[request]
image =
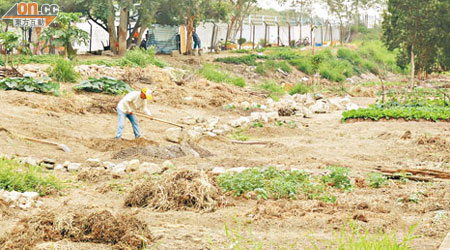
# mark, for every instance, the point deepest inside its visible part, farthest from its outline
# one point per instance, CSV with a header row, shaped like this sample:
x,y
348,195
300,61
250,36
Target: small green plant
x,y
257,124
28,84
239,134
338,178
14,176
105,85
352,236
376,180
141,58
260,69
275,90
300,88
63,71
9,41
249,60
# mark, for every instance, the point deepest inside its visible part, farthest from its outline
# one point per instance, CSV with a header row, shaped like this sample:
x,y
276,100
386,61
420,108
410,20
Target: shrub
x,y
275,65
303,64
376,180
14,176
141,58
28,84
300,88
104,85
63,71
338,177
212,73
275,90
260,69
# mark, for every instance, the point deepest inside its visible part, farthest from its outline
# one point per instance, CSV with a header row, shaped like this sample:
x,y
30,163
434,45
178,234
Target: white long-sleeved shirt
x,y
133,102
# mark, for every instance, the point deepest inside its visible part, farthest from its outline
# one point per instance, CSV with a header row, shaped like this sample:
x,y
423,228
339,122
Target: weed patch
x,y
275,90
300,88
63,71
212,73
14,176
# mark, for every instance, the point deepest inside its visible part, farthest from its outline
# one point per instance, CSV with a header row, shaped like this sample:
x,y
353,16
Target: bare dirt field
x,y
86,123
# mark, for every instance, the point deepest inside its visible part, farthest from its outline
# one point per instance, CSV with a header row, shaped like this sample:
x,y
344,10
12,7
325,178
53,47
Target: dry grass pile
x,y
122,232
180,190
435,142
93,175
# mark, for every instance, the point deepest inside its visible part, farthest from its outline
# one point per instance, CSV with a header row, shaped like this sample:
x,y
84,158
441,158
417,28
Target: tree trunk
x,y
123,23
137,25
190,27
112,28
413,65
230,28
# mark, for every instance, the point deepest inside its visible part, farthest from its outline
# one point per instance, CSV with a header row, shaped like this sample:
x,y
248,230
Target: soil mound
x,y
181,190
93,175
164,152
434,142
105,145
122,232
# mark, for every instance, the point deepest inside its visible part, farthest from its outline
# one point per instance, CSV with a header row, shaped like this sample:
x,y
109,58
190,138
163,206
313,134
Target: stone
x,y
168,164
188,120
174,135
245,105
335,103
93,163
212,122
31,195
299,98
59,167
73,167
318,96
188,98
218,131
149,168
211,134
48,166
351,106
320,107
307,113
108,165
218,170
310,100
344,101
272,116
119,168
133,165
47,161
193,135
29,160
237,170
66,164
226,128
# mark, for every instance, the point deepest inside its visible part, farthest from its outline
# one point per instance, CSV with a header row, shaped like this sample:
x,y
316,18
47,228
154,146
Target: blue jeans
x,y
134,122
197,45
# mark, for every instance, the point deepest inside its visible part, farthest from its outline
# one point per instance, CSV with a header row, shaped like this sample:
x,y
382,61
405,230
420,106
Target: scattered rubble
x,y
23,200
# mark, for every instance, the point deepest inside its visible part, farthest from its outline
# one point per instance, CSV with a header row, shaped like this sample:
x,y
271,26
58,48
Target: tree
x,y
238,10
9,41
417,31
63,32
343,10
190,12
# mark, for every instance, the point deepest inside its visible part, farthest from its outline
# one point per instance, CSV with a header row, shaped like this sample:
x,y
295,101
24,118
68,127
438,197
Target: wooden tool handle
x,y
159,120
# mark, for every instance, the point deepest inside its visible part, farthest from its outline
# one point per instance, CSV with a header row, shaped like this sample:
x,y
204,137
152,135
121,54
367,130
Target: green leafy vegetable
x,y
104,85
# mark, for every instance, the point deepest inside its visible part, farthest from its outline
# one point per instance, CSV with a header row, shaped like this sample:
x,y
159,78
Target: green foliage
x,y
407,113
268,183
275,65
260,69
29,84
300,88
239,134
212,73
338,177
303,64
275,90
257,124
355,238
241,51
249,60
14,176
419,97
64,32
105,85
63,71
241,41
9,41
141,58
376,180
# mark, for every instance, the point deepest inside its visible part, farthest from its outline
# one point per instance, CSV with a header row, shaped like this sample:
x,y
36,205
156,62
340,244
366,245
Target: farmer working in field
x,y
133,101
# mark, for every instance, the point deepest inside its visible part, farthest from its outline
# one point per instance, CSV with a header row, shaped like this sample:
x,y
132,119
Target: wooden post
x,y
289,34
278,34
300,28
240,35
212,38
226,38
254,36
321,34
183,39
265,34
